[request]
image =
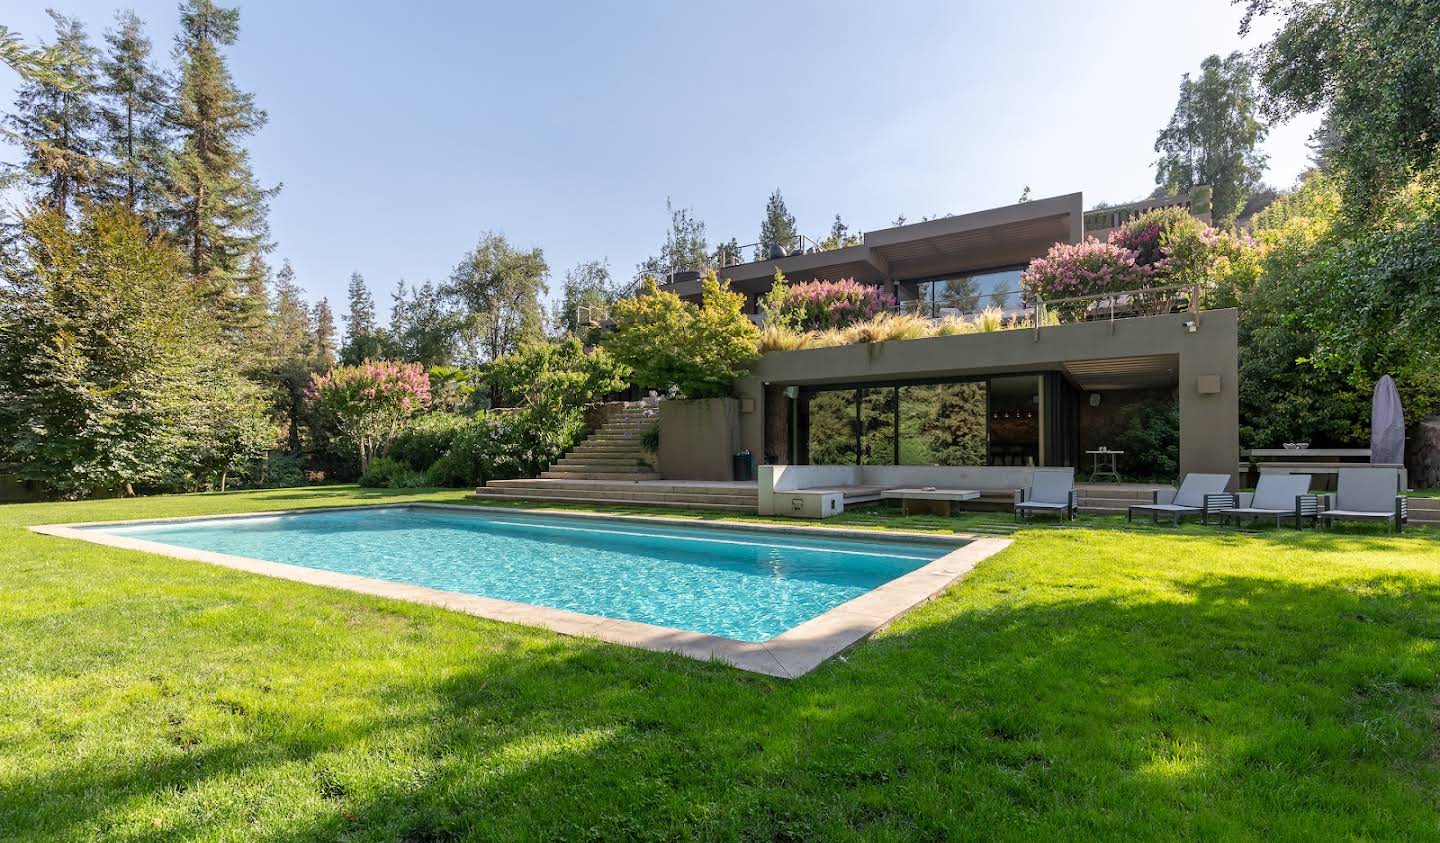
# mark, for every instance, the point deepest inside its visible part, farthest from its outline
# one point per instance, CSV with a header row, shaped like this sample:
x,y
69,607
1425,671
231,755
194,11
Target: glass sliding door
x,y
996,421
877,426
1015,413
832,432
943,424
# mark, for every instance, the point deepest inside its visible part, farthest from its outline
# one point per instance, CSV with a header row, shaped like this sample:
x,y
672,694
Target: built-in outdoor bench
x,y
819,491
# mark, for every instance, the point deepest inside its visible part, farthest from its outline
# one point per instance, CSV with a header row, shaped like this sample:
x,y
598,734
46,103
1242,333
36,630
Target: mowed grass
x,y
1091,682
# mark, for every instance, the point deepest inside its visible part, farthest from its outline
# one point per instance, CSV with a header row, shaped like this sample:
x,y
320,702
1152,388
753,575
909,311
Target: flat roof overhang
x,y
998,237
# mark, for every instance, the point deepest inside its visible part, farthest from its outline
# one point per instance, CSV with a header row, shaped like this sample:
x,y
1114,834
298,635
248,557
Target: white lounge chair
x,y
1199,494
1276,496
1050,490
1366,494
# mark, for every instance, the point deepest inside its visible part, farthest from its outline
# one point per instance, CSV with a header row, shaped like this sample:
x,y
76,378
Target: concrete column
x,y
1209,387
751,393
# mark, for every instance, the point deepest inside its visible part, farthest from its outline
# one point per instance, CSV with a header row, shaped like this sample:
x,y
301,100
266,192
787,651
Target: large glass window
x,y
988,422
960,295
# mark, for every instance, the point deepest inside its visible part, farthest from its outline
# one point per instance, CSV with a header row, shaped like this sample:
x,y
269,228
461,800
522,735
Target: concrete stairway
x,y
1425,512
611,453
1112,498
689,494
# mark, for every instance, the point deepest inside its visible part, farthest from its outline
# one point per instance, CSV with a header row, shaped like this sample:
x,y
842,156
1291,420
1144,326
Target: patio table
x,y
929,501
1103,465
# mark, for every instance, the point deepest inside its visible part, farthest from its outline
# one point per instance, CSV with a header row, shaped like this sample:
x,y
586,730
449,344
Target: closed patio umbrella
x,y
1387,424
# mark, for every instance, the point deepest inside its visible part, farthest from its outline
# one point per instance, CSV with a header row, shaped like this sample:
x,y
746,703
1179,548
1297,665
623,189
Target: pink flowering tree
x,y
371,401
818,305
1091,268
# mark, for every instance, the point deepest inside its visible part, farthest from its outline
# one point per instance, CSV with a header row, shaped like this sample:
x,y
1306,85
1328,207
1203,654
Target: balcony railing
x,y
1015,308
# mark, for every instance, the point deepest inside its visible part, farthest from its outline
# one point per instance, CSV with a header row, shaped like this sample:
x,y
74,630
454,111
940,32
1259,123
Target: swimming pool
x,y
746,585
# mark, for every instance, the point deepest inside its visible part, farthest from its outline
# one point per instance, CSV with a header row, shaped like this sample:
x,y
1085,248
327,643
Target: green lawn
x,y
1097,681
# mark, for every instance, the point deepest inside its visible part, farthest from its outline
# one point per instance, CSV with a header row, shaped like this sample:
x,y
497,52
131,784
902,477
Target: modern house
x,y
956,264
1011,399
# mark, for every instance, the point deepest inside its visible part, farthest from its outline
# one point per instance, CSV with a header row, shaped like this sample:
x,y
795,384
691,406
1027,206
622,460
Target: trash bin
x,y
743,466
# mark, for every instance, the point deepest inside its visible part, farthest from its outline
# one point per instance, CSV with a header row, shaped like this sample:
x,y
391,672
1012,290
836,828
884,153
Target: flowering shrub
x,y
1148,235
820,305
371,401
1083,269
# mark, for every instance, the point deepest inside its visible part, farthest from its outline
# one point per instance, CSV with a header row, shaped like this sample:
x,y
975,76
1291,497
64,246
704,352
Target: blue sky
x,y
402,131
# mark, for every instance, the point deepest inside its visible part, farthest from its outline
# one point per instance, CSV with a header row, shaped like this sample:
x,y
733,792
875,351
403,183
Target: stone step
x,y
622,467
676,486
624,495
573,458
597,475
713,506
608,453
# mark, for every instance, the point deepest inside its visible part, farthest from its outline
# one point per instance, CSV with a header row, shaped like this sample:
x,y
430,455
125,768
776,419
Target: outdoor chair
x,y
1366,494
1278,496
1050,490
1199,494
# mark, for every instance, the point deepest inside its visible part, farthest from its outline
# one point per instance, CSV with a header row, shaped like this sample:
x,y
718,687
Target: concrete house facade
x,y
1032,397
1002,401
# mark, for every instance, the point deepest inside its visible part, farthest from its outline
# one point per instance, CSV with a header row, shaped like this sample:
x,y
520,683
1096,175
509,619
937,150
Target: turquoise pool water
x,y
747,585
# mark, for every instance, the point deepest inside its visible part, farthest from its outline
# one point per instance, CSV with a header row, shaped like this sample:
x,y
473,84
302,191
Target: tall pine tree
x,y
217,206
55,120
134,99
778,230
322,332
291,352
362,335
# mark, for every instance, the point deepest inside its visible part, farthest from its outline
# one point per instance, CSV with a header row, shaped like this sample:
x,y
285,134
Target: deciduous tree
x,y
499,288
1373,66
698,349
108,361
1213,136
685,248
586,285
371,402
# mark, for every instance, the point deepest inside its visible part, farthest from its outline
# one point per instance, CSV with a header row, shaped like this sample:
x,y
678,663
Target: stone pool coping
x,y
791,654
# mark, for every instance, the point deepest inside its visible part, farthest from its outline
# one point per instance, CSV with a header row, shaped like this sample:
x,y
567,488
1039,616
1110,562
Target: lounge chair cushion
x,y
1362,490
1051,485
1277,492
1165,507
1043,505
1195,487
1358,513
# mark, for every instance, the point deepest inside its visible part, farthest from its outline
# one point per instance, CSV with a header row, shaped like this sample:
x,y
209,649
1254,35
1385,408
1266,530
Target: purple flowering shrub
x,y
1149,234
1083,269
822,305
1160,248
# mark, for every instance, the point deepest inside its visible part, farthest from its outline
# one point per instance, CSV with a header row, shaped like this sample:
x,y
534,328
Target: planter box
x,y
698,438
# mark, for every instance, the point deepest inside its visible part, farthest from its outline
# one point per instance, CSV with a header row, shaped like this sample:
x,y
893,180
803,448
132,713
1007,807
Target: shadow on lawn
x,y
1247,707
